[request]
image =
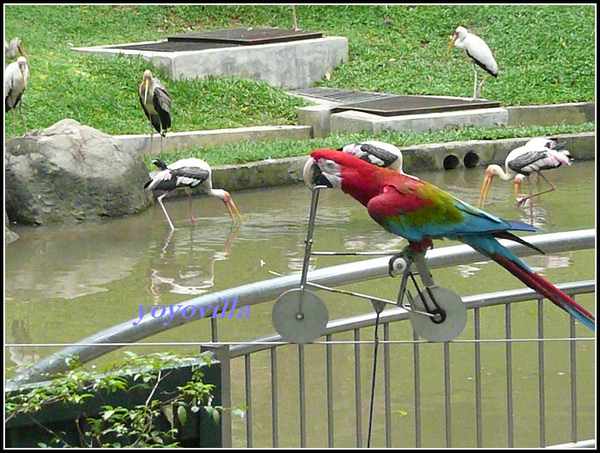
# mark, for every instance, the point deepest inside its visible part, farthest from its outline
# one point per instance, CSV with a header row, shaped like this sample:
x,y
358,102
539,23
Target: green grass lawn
x,y
546,55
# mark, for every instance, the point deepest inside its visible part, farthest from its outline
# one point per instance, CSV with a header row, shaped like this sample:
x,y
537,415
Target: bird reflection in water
x,y
194,277
21,356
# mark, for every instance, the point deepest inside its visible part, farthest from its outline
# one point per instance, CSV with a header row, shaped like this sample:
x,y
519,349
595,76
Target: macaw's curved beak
x,y
487,182
313,176
451,44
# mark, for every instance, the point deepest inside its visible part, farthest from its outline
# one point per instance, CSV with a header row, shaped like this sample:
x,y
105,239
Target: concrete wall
x,y
353,121
324,123
480,153
290,65
547,115
438,156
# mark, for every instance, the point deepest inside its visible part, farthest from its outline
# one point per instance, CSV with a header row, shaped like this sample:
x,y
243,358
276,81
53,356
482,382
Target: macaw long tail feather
x,y
538,283
514,237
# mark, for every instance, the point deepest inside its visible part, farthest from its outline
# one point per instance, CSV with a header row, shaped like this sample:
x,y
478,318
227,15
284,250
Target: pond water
x,y
65,283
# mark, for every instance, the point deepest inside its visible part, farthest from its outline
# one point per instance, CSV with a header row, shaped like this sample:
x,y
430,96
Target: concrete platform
x,y
289,65
324,122
176,141
316,122
353,121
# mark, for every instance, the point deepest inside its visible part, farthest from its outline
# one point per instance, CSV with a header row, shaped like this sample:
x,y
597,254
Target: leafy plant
x,y
117,426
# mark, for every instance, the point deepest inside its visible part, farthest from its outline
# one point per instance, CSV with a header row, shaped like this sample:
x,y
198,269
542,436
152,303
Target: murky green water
x,y
63,284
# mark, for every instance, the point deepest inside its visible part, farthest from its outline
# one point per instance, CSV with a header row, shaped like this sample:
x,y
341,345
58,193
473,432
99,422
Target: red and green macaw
x,y
420,212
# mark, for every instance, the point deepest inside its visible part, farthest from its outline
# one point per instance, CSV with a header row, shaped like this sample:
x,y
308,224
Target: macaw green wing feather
x,y
426,211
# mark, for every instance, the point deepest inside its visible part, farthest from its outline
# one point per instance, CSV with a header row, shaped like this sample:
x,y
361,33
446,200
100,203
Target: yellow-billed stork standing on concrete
x,y
156,102
479,52
188,173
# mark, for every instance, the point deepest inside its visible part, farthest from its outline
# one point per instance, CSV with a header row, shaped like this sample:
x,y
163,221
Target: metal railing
x,y
267,378
356,325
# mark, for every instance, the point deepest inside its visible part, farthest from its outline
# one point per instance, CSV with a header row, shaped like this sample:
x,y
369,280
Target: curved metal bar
x,y
268,290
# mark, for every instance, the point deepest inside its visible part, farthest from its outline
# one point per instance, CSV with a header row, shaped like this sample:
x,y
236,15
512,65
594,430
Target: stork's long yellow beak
x,y
20,47
147,88
518,195
23,77
451,44
231,207
487,182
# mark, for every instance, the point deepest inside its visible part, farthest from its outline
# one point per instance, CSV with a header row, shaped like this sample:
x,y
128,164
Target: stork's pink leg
x,y
192,219
159,199
531,195
151,139
530,198
22,117
551,189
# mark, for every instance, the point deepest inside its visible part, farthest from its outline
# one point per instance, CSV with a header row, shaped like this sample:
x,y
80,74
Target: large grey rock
x,y
9,235
70,172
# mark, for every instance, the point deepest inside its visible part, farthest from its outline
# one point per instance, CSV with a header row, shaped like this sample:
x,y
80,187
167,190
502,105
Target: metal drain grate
x,y
339,95
384,104
248,36
222,38
176,46
411,105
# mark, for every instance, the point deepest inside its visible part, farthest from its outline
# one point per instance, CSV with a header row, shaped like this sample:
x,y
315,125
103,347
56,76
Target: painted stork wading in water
x,y
478,51
420,212
156,102
533,157
13,49
16,77
188,173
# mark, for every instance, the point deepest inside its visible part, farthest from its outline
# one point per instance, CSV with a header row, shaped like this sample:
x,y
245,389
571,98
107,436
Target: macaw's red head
x,y
338,170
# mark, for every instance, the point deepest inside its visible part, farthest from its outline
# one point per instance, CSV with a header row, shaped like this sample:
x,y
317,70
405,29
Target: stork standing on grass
x,y
16,77
188,173
479,52
13,49
156,102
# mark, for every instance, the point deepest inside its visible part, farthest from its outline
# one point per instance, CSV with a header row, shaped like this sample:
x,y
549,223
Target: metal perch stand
x,y
436,313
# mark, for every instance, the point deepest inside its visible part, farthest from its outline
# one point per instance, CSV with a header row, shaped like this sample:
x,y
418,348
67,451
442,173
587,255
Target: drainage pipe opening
x,y
471,160
451,162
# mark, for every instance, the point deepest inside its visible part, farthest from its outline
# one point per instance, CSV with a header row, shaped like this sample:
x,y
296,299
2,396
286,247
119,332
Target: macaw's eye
x,y
330,165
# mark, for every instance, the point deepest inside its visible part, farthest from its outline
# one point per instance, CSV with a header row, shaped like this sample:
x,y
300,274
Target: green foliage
x,y
122,426
546,55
